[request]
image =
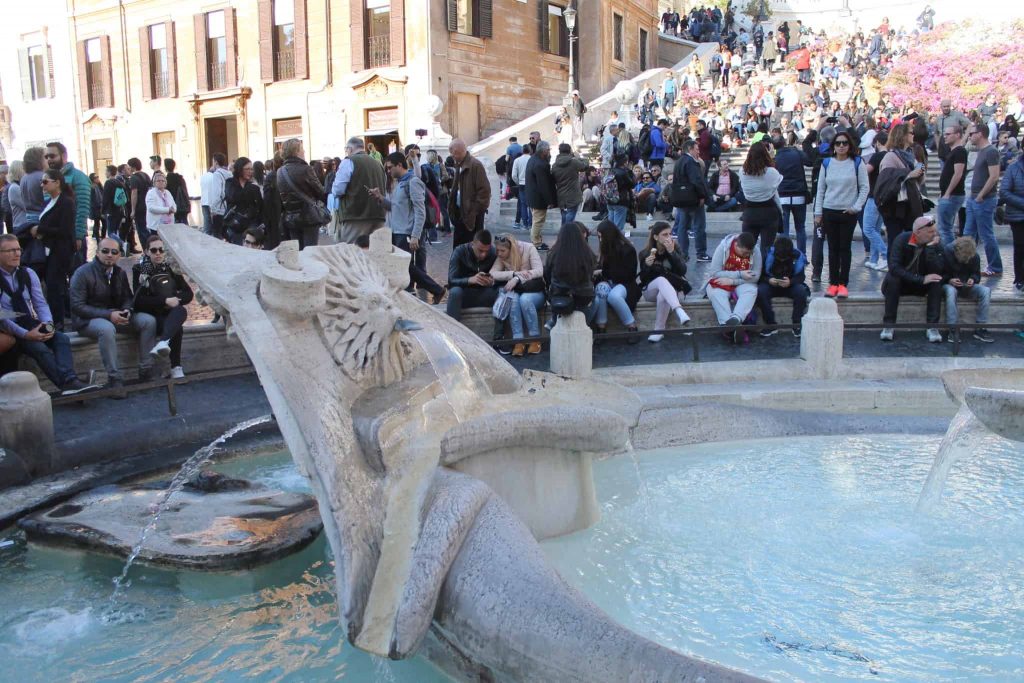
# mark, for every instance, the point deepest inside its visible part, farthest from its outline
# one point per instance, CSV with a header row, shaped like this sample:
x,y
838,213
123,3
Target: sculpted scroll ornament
x,y
360,319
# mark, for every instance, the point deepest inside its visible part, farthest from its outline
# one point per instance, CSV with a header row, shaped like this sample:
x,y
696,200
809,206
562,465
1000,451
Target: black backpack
x,y
501,165
646,148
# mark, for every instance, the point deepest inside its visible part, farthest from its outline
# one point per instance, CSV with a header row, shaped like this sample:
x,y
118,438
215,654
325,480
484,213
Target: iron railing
x,y
161,84
378,51
97,98
284,65
218,76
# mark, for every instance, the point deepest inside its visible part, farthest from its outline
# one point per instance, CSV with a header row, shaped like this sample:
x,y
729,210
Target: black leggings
x,y
763,220
170,326
838,227
1017,229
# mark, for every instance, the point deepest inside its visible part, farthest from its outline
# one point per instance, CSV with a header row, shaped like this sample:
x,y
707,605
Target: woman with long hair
x,y
520,271
760,182
244,201
842,192
569,270
616,279
56,230
163,293
662,277
259,173
900,163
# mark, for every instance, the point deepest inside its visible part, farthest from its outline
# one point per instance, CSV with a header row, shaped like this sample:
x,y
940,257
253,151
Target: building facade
x,y
120,78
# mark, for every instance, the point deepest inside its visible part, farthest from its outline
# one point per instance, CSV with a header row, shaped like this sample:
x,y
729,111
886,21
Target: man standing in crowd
x,y
155,162
540,191
101,306
659,148
688,194
566,172
523,216
951,181
211,196
512,152
358,174
916,265
470,194
115,199
469,275
139,185
981,205
948,117
56,156
576,111
33,328
406,214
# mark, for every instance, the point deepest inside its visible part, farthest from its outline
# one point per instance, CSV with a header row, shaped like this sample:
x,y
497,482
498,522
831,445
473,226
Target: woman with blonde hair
x,y
897,169
518,267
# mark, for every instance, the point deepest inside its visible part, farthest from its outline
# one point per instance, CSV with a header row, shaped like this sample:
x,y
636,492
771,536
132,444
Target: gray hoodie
x,y
717,265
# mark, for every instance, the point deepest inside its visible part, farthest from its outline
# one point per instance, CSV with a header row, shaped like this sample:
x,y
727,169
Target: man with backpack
x,y
115,198
658,148
688,193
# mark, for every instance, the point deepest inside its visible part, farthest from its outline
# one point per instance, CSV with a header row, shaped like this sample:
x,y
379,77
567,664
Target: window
x,y
159,63
558,34
284,130
216,50
378,33
163,144
466,17
35,73
94,72
617,37
284,39
643,50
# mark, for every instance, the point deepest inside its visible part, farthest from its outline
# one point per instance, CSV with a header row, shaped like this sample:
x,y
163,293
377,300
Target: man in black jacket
x,y
470,284
963,281
540,191
101,306
112,213
689,193
916,267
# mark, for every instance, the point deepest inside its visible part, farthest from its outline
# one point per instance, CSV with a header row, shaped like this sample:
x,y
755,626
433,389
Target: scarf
x,y
148,269
733,262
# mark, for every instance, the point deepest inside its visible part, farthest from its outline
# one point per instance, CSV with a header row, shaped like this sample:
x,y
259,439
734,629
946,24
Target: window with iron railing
x,y
218,76
96,95
161,84
378,51
284,65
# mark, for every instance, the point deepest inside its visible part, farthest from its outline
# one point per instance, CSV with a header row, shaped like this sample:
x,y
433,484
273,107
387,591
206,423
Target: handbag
x,y
502,306
308,211
530,286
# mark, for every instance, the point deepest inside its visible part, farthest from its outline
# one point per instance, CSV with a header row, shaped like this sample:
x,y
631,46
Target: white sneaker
x,y
627,233
683,318
871,264
177,372
161,349
887,334
882,267
934,336
655,338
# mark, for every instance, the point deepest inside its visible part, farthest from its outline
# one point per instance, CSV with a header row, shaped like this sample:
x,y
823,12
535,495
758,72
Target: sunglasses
x,y
841,143
115,252
156,250
928,224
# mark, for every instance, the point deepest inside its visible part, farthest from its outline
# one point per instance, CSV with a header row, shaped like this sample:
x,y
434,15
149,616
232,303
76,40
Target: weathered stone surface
x,y
26,421
1000,410
821,343
232,527
572,347
13,470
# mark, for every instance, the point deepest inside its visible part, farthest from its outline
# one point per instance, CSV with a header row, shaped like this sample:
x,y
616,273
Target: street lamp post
x,y
569,14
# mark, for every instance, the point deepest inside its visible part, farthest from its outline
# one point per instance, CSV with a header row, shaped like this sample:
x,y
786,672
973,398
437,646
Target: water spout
x,y
188,470
961,437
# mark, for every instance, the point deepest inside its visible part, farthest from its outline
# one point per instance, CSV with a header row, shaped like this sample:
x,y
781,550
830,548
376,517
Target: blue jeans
x,y
871,224
980,226
799,214
569,215
207,220
946,211
687,217
525,308
979,293
53,357
606,295
523,215
617,215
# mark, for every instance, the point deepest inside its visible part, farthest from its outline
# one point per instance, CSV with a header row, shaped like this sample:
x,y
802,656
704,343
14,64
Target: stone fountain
x,y
988,401
436,466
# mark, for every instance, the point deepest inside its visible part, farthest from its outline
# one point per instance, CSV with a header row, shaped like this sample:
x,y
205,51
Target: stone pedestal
x,y
572,347
394,263
26,422
821,342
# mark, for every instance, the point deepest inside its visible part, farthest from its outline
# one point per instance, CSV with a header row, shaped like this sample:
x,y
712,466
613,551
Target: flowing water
x,y
961,440
461,384
801,559
189,469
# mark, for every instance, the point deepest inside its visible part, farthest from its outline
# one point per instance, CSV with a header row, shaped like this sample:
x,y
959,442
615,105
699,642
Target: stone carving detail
x,y
360,319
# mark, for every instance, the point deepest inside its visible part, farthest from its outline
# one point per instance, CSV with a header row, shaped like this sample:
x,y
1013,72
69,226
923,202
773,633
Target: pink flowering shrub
x,y
694,99
961,61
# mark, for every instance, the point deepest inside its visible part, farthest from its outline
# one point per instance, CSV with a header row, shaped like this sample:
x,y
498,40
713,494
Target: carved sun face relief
x,y
359,323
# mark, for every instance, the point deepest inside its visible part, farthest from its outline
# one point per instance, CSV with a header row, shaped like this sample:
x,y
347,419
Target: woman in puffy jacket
x,y
1011,191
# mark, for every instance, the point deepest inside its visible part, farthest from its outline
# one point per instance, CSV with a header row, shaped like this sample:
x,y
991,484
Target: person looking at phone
x,y
736,269
33,329
101,307
470,284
